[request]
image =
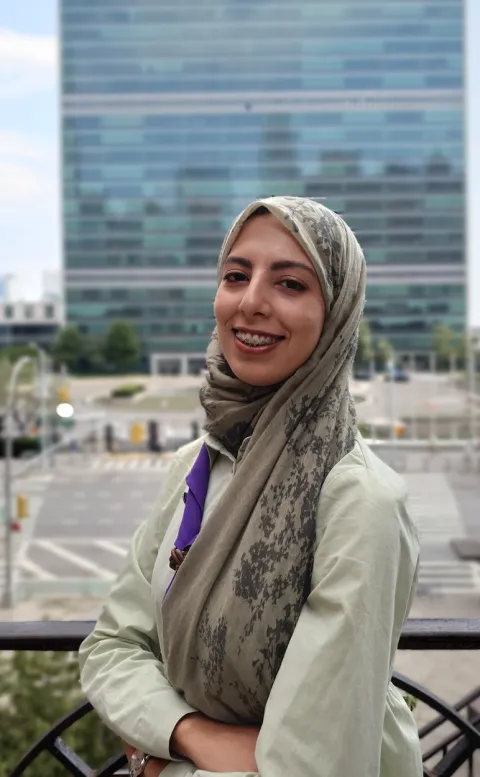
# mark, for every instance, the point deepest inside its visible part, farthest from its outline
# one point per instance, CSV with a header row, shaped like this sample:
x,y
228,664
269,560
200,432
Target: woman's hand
x,y
154,767
215,747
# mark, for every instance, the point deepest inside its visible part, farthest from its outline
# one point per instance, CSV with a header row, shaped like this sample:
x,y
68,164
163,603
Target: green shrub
x,y
37,689
21,445
127,391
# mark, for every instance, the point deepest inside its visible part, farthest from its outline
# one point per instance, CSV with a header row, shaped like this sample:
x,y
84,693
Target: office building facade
x,y
176,115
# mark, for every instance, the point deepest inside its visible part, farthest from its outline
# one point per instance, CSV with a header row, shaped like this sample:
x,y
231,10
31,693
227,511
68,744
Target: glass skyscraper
x,y
176,115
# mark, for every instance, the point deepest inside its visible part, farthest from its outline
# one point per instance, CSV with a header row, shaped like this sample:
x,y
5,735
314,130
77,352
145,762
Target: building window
x,y
49,311
8,311
28,310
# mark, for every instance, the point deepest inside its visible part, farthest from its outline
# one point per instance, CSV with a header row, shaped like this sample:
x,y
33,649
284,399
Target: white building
x,y
26,322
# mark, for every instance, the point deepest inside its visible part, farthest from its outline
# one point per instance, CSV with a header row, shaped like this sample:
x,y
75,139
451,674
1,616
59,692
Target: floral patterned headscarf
x,y
236,598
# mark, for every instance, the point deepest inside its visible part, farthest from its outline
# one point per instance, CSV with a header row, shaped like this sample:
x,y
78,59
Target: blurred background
x,y
132,132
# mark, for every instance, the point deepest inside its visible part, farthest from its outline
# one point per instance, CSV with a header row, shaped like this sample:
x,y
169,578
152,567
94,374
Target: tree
x,y
364,353
36,689
79,352
461,349
122,348
67,347
443,345
384,353
91,357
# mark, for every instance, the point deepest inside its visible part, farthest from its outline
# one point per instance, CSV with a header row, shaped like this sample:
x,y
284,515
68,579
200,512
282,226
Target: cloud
x,y
18,144
28,63
27,175
19,184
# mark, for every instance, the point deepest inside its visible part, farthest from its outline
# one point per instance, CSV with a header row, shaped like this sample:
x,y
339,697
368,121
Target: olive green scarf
x,y
232,609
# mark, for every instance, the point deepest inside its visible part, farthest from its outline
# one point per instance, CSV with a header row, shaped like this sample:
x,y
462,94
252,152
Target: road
x,y
87,518
90,509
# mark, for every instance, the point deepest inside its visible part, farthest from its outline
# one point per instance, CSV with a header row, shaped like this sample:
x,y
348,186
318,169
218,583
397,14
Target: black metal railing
x,y
449,754
417,634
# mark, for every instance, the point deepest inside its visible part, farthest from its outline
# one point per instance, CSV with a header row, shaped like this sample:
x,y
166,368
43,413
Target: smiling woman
x,y
269,306
254,628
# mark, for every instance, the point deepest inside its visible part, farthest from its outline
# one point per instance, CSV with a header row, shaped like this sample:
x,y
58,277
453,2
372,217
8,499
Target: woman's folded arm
x,y
121,667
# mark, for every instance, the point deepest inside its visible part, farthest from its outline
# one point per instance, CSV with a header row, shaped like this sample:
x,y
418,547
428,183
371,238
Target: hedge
x,y
21,445
127,391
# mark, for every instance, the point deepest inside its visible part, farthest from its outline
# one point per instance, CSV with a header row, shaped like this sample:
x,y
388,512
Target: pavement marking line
x,y
447,563
73,558
41,574
84,541
111,547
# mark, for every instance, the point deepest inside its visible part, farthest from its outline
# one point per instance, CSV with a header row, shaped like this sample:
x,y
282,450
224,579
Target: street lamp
x,y
43,365
8,437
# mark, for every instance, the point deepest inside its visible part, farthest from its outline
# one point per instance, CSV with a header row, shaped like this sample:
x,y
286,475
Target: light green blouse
x,y
333,711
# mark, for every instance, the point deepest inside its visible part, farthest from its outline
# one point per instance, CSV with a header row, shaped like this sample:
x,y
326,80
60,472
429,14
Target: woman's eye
x,y
234,277
292,285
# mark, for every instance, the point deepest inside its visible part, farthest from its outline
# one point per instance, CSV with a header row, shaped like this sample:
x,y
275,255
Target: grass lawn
x,y
184,402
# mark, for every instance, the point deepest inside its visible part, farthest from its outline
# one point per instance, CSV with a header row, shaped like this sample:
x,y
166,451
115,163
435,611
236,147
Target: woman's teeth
x,y
255,340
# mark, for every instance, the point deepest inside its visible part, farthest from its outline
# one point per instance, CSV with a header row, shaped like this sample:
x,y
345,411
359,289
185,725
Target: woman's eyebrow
x,y
281,264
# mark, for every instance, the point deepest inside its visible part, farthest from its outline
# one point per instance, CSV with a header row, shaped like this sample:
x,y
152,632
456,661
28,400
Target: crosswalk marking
x,y
36,570
74,558
435,577
104,464
434,508
111,547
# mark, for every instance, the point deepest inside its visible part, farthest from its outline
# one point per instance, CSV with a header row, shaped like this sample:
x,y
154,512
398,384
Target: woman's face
x,y
269,307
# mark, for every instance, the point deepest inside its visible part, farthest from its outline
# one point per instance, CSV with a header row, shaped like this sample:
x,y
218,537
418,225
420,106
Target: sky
x,y
29,145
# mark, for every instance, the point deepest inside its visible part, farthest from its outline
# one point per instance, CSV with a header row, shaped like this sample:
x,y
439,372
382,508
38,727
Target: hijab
x,y
231,611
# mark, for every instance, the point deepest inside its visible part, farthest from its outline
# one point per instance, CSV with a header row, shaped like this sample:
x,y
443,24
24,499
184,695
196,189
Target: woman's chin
x,y
258,375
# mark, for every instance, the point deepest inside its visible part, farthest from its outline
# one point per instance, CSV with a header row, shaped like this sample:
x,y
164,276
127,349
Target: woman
x,y
263,643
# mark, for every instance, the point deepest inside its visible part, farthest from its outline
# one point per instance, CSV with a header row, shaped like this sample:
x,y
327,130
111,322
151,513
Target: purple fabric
x,y
197,482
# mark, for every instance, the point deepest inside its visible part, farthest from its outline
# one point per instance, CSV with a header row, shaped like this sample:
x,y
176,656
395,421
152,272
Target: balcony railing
x,y
448,755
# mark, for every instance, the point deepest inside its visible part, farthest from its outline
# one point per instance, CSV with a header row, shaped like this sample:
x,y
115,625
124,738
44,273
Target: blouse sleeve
x,y
121,667
325,713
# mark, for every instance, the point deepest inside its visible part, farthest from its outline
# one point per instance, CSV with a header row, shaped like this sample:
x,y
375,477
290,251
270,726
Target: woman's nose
x,y
255,300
